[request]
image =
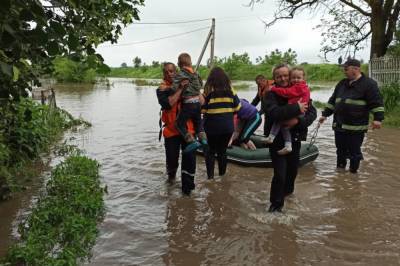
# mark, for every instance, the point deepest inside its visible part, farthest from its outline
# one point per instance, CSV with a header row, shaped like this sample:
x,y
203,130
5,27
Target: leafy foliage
x,y
346,25
391,96
67,70
277,57
27,129
33,33
394,49
62,227
136,62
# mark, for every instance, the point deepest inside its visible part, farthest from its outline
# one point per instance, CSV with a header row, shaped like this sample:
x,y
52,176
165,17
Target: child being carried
x,y
190,105
297,91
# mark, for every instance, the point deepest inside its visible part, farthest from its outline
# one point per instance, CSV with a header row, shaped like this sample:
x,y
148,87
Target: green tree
x,y
347,24
394,49
137,62
155,64
277,57
33,33
124,65
233,63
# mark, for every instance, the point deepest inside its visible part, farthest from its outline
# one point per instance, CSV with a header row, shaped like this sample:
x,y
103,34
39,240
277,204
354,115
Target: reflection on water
x,y
334,218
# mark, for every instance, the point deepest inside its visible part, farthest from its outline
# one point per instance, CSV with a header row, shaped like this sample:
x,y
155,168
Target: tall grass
x,y
391,96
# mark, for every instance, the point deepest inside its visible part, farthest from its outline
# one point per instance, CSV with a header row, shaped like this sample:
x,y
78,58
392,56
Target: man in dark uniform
x,y
351,102
277,110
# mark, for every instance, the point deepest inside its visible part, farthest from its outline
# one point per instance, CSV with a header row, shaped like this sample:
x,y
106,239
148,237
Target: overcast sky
x,y
239,29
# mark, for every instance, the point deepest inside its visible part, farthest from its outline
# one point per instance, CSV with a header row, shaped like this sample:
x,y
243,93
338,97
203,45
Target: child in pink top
x,y
297,91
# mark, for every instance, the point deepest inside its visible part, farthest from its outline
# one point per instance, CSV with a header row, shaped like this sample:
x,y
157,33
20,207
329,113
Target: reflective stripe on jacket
x,y
351,104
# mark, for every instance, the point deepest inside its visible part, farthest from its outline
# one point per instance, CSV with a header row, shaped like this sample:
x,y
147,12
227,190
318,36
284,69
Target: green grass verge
x,y
62,227
314,72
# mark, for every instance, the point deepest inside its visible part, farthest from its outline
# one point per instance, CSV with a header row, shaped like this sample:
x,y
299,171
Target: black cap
x,y
352,62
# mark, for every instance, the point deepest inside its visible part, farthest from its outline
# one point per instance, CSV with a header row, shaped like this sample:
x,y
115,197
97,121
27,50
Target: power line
x,y
157,39
175,22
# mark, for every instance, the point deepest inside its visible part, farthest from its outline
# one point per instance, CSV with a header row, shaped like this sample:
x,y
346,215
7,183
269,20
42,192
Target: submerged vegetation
x,y
62,227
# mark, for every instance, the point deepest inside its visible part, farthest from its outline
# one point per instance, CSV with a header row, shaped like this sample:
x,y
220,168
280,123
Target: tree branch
x,y
359,9
392,23
289,11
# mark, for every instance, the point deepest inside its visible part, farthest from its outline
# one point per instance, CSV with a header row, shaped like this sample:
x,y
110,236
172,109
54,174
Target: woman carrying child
x,y
220,105
297,91
297,117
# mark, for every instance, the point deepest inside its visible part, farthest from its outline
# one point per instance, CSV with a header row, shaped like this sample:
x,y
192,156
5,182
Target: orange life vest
x,y
168,117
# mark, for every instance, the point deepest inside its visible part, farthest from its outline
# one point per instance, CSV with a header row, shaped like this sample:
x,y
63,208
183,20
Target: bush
x,y
27,128
62,227
391,96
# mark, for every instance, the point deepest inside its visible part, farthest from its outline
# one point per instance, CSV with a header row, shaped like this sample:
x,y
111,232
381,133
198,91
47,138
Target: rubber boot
x,y
222,163
341,163
210,163
354,165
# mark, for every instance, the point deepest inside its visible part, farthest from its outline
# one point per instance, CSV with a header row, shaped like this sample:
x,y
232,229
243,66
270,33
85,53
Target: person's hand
x,y
184,83
290,123
376,124
322,119
202,99
302,106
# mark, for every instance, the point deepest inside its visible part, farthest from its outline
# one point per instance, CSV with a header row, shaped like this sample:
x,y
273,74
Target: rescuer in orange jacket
x,y
173,141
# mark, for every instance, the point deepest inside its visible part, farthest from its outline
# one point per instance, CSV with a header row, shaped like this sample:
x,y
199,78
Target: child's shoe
x,y
268,140
192,147
203,141
286,150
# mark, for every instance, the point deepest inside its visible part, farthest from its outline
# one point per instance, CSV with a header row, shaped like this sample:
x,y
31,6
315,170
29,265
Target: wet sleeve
x,y
330,106
278,113
162,96
308,118
256,100
375,102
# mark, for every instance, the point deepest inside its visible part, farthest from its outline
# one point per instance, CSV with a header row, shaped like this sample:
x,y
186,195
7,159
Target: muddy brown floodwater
x,y
334,217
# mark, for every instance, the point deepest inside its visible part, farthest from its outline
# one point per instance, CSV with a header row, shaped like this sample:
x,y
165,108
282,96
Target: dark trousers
x,y
217,145
189,111
348,146
285,172
188,169
249,128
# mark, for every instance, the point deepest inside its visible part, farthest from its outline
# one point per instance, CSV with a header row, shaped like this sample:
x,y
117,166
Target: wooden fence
x,y
385,69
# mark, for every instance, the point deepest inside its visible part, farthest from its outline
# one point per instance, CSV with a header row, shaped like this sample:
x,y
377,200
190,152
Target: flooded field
x,y
334,217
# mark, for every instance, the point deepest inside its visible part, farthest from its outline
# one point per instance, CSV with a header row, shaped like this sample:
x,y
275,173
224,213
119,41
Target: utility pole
x,y
210,36
212,44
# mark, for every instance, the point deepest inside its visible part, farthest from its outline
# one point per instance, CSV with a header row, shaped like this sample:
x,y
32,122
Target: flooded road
x,y
334,217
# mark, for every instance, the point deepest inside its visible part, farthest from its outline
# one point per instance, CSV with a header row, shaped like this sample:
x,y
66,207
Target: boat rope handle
x,y
314,135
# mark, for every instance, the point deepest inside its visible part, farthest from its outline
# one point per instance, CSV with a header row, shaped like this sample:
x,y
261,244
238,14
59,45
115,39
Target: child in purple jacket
x,y
248,121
